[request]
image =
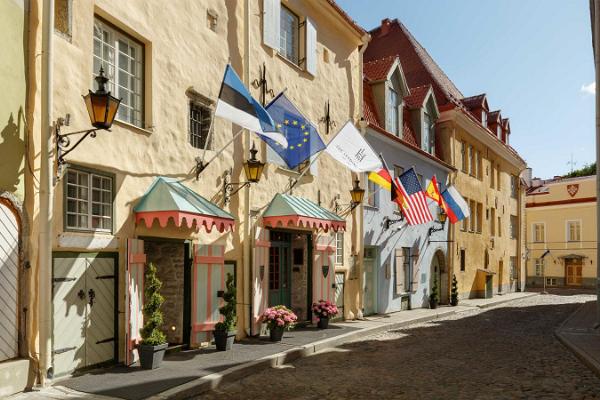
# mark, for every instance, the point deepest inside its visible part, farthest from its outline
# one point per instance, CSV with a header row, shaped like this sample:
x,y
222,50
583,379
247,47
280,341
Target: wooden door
x,y
9,283
500,275
100,290
208,279
340,279
134,317
574,272
280,270
69,302
369,292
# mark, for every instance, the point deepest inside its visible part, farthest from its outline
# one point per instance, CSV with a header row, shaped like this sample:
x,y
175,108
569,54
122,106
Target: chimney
x,y
385,27
526,175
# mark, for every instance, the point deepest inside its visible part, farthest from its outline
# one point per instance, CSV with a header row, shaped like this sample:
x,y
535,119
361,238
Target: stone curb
x,y
212,381
495,303
580,353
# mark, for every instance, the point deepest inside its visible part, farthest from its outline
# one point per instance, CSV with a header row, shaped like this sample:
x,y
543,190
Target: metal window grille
x,y
200,117
89,198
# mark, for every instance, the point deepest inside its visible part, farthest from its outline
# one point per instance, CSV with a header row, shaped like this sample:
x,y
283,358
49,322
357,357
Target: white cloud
x,y
590,88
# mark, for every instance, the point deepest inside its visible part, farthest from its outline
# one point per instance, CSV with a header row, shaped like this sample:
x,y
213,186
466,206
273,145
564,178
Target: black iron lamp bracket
x,y
344,208
387,222
262,84
64,145
436,229
200,166
231,188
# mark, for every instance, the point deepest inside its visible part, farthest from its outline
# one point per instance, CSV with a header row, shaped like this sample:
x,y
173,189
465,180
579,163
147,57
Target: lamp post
x,y
253,169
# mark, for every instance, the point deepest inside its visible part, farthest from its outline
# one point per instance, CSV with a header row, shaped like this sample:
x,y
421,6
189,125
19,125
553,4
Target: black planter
x,y
433,304
323,322
276,333
151,356
224,340
454,302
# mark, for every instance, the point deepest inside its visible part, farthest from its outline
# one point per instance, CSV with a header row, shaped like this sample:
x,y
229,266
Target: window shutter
x,y
271,23
399,265
311,47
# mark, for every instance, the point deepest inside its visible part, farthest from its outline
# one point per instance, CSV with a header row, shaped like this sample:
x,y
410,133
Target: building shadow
x,y
12,155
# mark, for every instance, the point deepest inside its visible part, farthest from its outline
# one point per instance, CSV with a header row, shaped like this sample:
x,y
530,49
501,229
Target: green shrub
x,y
434,296
454,291
152,334
228,309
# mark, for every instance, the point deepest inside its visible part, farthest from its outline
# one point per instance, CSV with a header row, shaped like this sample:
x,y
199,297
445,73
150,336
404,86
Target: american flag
x,y
415,206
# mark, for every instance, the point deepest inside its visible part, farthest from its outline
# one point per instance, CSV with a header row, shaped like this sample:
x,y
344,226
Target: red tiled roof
x,y
408,133
393,39
378,70
475,102
494,116
369,109
416,98
348,19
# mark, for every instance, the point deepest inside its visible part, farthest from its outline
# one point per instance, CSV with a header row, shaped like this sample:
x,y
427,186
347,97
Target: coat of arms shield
x,y
573,189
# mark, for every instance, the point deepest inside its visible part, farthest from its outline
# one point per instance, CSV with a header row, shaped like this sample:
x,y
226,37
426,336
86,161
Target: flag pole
x,y
296,180
201,166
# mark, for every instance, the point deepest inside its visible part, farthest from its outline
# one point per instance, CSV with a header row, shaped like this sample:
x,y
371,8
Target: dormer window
x,y
484,118
499,131
392,115
428,133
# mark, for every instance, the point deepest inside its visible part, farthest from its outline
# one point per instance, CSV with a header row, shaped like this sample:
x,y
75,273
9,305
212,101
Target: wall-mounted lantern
x,y
253,169
357,195
442,217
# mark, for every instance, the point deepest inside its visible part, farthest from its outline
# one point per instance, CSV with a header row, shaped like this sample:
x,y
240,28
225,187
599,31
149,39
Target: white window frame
x,y
568,223
293,54
89,201
484,118
372,194
533,232
551,282
427,133
392,102
339,248
108,42
538,265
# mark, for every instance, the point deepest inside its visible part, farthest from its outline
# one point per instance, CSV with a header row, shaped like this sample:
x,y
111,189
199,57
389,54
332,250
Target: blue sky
x,y
532,58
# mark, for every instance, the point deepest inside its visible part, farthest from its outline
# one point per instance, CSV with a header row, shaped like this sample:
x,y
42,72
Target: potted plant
x,y
224,332
154,342
433,296
454,291
324,310
278,319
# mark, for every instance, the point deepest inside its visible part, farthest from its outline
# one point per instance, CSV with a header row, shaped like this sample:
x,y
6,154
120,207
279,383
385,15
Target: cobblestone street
x,y
505,352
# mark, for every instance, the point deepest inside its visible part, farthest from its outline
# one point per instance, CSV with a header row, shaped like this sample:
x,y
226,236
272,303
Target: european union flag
x,y
302,136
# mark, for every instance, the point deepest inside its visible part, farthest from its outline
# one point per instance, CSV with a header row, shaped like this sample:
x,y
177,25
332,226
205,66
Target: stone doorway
x,y
439,272
172,259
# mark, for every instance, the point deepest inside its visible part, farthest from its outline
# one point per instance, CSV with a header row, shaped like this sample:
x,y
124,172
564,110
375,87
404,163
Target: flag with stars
x,y
302,136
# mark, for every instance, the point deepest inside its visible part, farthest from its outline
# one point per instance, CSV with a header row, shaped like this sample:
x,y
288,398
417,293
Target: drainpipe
x,y
596,43
46,196
248,286
360,218
452,227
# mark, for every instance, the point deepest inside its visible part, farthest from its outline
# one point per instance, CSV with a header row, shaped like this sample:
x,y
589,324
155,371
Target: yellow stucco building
x,y
166,63
561,232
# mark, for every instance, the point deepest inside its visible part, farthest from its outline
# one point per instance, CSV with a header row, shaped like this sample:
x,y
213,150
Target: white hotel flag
x,y
350,148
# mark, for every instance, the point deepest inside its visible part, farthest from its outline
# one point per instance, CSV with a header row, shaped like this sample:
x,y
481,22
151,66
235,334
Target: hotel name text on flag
x,y
235,104
455,206
416,211
302,136
350,148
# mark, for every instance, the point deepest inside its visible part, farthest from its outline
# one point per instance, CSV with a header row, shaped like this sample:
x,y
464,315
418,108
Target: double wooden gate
x,y
84,287
9,283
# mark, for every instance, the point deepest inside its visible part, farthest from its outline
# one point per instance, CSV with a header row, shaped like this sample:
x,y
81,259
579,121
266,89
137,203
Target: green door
x,y
280,270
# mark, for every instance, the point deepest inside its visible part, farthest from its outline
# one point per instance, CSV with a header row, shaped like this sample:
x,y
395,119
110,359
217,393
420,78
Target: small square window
x,y
89,201
339,248
200,125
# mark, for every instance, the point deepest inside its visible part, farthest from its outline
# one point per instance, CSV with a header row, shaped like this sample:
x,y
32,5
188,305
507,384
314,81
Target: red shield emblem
x,y
573,189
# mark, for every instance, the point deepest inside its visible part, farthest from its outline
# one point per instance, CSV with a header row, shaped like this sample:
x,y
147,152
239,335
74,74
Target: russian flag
x,y
235,104
455,206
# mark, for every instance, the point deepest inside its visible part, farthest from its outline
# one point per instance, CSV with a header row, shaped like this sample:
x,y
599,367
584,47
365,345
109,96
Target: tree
x,y
228,309
586,170
152,334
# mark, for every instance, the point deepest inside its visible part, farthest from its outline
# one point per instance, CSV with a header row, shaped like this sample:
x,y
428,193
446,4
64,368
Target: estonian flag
x,y
235,104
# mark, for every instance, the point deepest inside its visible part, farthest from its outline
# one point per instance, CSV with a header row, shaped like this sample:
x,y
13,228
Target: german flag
x,y
382,178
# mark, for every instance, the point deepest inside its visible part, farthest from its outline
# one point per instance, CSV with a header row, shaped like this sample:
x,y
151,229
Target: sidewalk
x,y
190,373
577,333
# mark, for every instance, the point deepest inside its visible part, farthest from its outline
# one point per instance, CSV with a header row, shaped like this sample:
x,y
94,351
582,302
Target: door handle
x,y
81,294
92,296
